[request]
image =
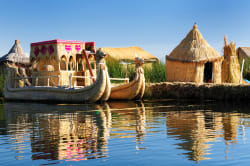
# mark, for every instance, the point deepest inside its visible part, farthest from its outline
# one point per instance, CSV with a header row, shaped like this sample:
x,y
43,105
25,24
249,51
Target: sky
x,y
157,26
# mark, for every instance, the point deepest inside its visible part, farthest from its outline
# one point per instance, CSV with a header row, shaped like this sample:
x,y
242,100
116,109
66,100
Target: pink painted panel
x,y
78,48
68,48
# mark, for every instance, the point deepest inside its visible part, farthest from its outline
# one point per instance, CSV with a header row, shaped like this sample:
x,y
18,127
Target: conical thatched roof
x,y
15,55
193,48
128,53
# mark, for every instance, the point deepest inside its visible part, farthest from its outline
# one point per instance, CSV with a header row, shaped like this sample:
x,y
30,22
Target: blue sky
x,y
157,26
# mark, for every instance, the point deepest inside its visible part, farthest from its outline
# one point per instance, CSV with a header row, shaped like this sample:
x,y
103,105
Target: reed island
x,y
75,71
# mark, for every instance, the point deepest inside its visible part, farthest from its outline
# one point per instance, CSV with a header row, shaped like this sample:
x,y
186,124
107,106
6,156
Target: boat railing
x,y
36,79
81,77
49,79
126,80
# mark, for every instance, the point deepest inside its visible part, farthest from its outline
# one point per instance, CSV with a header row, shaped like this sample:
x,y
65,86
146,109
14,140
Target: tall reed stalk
x,y
156,73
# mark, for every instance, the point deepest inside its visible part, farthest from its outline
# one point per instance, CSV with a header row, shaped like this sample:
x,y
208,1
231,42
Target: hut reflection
x,y
199,129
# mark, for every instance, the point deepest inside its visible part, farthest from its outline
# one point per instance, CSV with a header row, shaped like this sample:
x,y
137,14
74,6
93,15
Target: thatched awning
x,y
15,55
128,53
194,48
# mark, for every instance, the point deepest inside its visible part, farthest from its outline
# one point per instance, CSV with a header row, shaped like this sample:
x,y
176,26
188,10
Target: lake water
x,y
125,133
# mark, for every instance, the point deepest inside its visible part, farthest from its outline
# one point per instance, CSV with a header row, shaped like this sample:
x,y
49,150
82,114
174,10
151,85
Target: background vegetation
x,y
246,70
2,79
154,73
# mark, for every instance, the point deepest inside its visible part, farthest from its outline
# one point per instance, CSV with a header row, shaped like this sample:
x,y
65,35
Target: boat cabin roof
x,y
57,41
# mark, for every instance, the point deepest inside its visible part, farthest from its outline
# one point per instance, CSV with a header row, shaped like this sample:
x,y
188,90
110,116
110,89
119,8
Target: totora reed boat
x,y
99,90
134,89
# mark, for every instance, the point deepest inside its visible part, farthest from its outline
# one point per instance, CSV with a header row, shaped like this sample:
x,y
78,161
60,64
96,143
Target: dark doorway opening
x,y
208,72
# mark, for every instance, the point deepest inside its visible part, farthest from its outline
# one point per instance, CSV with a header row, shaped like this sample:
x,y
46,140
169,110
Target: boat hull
x,y
92,93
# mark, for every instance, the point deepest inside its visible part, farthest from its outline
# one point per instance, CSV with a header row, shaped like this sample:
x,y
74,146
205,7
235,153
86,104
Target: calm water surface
x,y
125,133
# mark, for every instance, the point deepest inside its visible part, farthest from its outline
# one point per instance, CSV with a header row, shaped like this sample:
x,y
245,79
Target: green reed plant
x,y
115,69
246,69
154,73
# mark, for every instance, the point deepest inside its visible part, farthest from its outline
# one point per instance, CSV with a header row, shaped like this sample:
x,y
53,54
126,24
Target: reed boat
x,y
134,89
99,90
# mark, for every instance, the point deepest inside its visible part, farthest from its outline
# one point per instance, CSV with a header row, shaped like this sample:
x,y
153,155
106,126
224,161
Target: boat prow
x,y
133,90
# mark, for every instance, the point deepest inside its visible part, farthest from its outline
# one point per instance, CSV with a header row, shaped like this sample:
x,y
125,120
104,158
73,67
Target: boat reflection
x,y
59,132
129,121
82,132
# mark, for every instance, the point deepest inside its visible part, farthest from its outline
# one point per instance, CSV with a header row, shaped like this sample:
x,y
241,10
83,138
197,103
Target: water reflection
x,y
82,132
129,120
198,129
56,133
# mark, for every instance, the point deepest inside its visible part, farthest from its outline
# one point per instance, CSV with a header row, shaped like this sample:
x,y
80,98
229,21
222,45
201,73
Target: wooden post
x,y
241,72
36,81
87,61
48,81
70,80
58,81
15,81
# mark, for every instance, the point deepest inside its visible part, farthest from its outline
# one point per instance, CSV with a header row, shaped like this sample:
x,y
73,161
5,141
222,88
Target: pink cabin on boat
x,y
67,62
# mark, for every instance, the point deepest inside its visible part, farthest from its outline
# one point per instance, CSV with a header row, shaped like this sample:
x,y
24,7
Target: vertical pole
x,y
241,72
15,81
70,80
48,81
58,81
88,64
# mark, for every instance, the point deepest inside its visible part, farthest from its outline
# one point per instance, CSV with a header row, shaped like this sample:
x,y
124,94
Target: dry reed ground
x,y
188,90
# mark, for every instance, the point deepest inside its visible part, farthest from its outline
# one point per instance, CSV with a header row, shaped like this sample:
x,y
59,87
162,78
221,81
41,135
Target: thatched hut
x,y
230,66
194,60
14,56
127,54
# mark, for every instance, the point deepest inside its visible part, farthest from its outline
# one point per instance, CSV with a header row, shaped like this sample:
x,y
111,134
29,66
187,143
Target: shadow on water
x,y
81,132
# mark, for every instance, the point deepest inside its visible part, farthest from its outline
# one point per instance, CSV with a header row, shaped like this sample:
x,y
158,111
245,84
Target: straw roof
x,y
128,53
243,52
193,48
15,55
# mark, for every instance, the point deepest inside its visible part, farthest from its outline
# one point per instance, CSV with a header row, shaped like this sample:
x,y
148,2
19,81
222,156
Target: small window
x,y
63,63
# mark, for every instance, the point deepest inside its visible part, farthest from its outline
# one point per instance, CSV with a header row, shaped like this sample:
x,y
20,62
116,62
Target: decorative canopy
x,y
55,48
193,48
15,55
128,53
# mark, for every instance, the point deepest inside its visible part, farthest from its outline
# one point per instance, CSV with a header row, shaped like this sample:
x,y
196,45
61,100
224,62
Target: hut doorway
x,y
208,72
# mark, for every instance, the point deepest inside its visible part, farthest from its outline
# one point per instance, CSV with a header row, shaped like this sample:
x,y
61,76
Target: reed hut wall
x,y
217,71
199,75
180,71
177,71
